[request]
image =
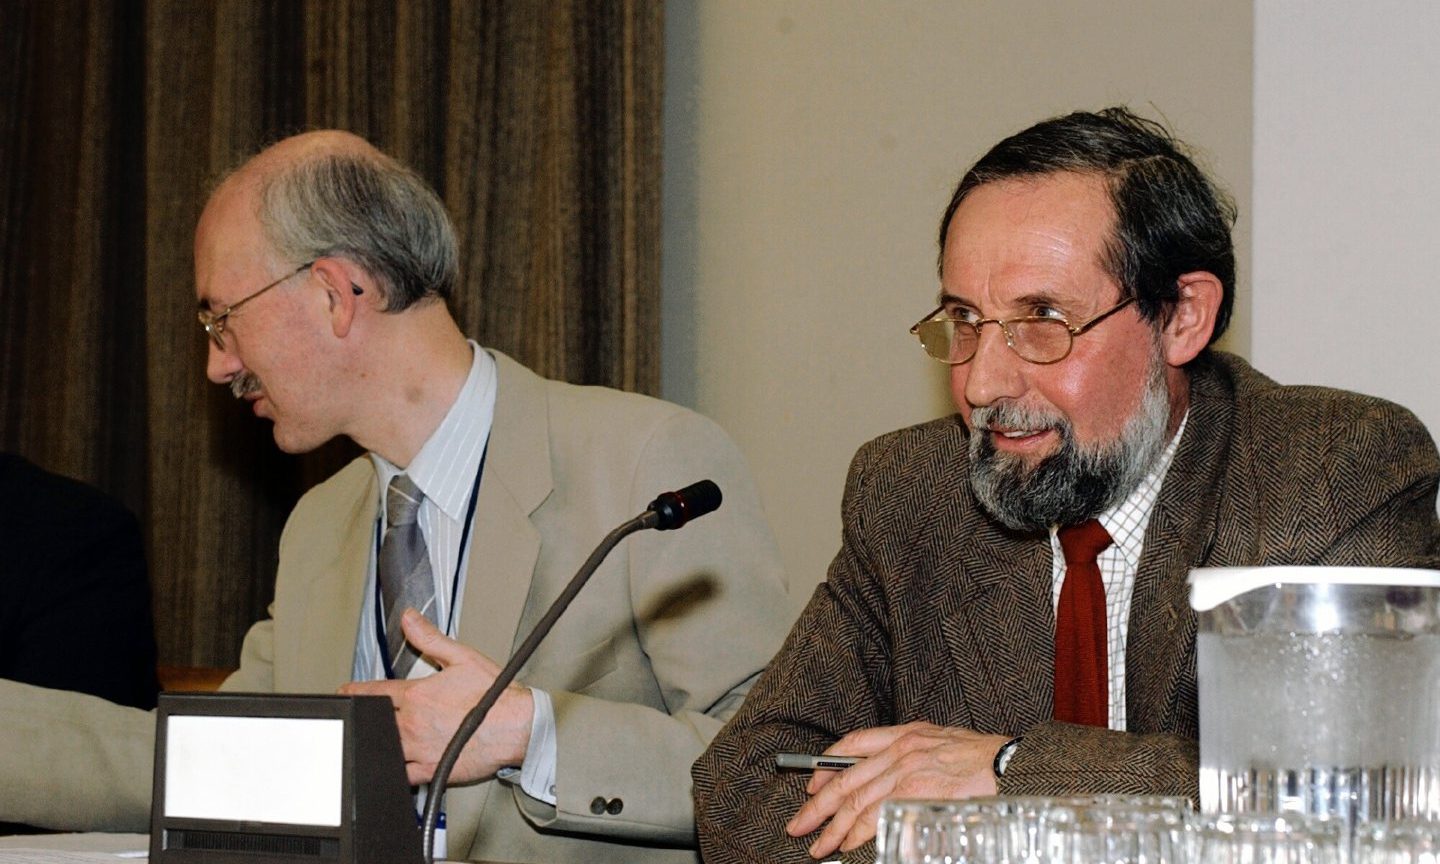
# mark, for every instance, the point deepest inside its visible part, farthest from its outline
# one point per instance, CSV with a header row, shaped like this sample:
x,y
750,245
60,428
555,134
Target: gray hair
x,y
370,209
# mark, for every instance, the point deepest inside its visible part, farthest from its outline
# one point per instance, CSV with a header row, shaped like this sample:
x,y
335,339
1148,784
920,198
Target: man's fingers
x,y
863,743
831,792
849,820
922,759
812,813
818,779
863,828
845,795
428,640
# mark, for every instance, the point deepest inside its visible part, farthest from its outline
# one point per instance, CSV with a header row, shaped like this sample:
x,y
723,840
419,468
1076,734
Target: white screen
x,y
264,769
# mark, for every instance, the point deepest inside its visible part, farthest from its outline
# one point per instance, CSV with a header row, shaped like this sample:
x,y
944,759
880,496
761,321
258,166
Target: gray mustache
x,y
1009,415
244,384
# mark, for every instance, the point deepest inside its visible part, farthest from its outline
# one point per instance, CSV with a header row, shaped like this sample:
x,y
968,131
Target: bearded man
x,y
1008,611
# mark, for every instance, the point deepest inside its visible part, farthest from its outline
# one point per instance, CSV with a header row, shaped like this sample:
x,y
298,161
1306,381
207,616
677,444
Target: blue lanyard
x,y
454,582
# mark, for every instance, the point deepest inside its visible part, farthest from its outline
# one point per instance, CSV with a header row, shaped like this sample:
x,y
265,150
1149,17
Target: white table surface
x,y
77,842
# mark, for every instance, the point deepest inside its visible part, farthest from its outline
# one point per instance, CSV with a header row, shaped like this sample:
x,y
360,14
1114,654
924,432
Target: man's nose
x,y
995,372
221,365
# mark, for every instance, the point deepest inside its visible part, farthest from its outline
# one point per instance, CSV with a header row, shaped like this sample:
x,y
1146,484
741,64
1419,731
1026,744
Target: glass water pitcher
x,y
1319,691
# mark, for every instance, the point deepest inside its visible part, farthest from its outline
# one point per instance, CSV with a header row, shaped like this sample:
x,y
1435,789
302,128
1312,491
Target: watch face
x,y
1002,756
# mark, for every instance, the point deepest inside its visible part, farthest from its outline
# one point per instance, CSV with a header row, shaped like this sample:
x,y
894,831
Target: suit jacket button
x,y
615,806
597,806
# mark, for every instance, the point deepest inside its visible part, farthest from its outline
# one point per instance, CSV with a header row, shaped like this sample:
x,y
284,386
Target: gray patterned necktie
x,y
406,580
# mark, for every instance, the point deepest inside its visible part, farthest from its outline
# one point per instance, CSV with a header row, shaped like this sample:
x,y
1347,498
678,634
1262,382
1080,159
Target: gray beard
x,y
1076,482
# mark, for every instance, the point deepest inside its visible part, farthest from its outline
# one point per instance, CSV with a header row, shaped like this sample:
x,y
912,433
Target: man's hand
x,y
917,760
429,710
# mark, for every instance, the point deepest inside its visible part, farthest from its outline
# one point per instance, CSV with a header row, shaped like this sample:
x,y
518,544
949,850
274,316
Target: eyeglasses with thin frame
x,y
1036,338
214,324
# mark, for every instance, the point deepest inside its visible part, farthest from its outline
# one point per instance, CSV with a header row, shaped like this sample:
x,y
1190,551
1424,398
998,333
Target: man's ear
x,y
339,278
1191,320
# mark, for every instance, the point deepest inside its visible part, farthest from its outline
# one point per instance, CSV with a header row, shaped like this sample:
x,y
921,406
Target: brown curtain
x,y
538,122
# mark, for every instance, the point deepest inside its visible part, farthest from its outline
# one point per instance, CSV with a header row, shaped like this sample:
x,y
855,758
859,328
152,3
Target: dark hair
x,y
1170,219
371,209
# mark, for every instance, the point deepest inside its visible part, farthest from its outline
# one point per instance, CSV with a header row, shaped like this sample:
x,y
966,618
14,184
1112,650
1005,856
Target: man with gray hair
x,y
323,268
1008,610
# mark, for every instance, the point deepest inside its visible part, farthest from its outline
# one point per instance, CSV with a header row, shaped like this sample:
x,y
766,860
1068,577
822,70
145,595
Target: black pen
x,y
806,762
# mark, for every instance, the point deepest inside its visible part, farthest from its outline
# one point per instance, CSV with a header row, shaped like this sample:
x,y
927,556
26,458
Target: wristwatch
x,y
1002,756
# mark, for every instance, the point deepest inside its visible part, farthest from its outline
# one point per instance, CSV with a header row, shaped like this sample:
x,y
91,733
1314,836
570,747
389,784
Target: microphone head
x,y
674,509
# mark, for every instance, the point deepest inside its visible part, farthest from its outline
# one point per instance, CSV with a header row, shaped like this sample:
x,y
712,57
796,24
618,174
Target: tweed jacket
x,y
643,669
932,611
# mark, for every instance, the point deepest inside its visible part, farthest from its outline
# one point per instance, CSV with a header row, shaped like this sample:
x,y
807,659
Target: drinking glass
x,y
1117,831
1400,842
919,832
1268,839
1100,829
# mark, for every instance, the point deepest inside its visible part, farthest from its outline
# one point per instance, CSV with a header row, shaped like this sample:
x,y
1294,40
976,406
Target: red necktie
x,y
1082,675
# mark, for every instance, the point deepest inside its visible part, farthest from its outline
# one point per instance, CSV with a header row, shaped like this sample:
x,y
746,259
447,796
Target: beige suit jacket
x,y
652,658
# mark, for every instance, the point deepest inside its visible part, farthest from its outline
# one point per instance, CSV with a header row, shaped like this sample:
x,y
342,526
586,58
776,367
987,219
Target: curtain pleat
x,y
538,123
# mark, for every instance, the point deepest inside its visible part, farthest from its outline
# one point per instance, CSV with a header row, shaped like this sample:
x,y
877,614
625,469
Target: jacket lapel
x,y
999,637
503,552
505,545
326,631
1159,665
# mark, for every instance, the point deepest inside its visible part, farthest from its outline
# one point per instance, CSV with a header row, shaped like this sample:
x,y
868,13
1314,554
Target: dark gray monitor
x,y
257,778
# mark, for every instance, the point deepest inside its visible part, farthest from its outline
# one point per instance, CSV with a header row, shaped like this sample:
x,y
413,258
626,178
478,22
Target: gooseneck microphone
x,y
672,510
667,512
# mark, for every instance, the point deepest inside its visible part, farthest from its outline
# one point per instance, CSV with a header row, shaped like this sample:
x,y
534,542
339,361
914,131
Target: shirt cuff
x,y
537,772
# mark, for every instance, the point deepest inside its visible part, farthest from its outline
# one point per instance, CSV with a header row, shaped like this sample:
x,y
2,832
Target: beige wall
x,y
1347,196
810,149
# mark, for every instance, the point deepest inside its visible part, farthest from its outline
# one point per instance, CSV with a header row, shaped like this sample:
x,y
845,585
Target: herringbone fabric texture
x,y
933,612
1082,668
406,579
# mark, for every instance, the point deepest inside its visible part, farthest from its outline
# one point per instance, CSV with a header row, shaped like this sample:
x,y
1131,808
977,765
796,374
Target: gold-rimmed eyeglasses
x,y
1036,338
214,323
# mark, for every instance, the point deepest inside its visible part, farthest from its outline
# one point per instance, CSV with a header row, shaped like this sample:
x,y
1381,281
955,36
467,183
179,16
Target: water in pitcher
x,y
1340,724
